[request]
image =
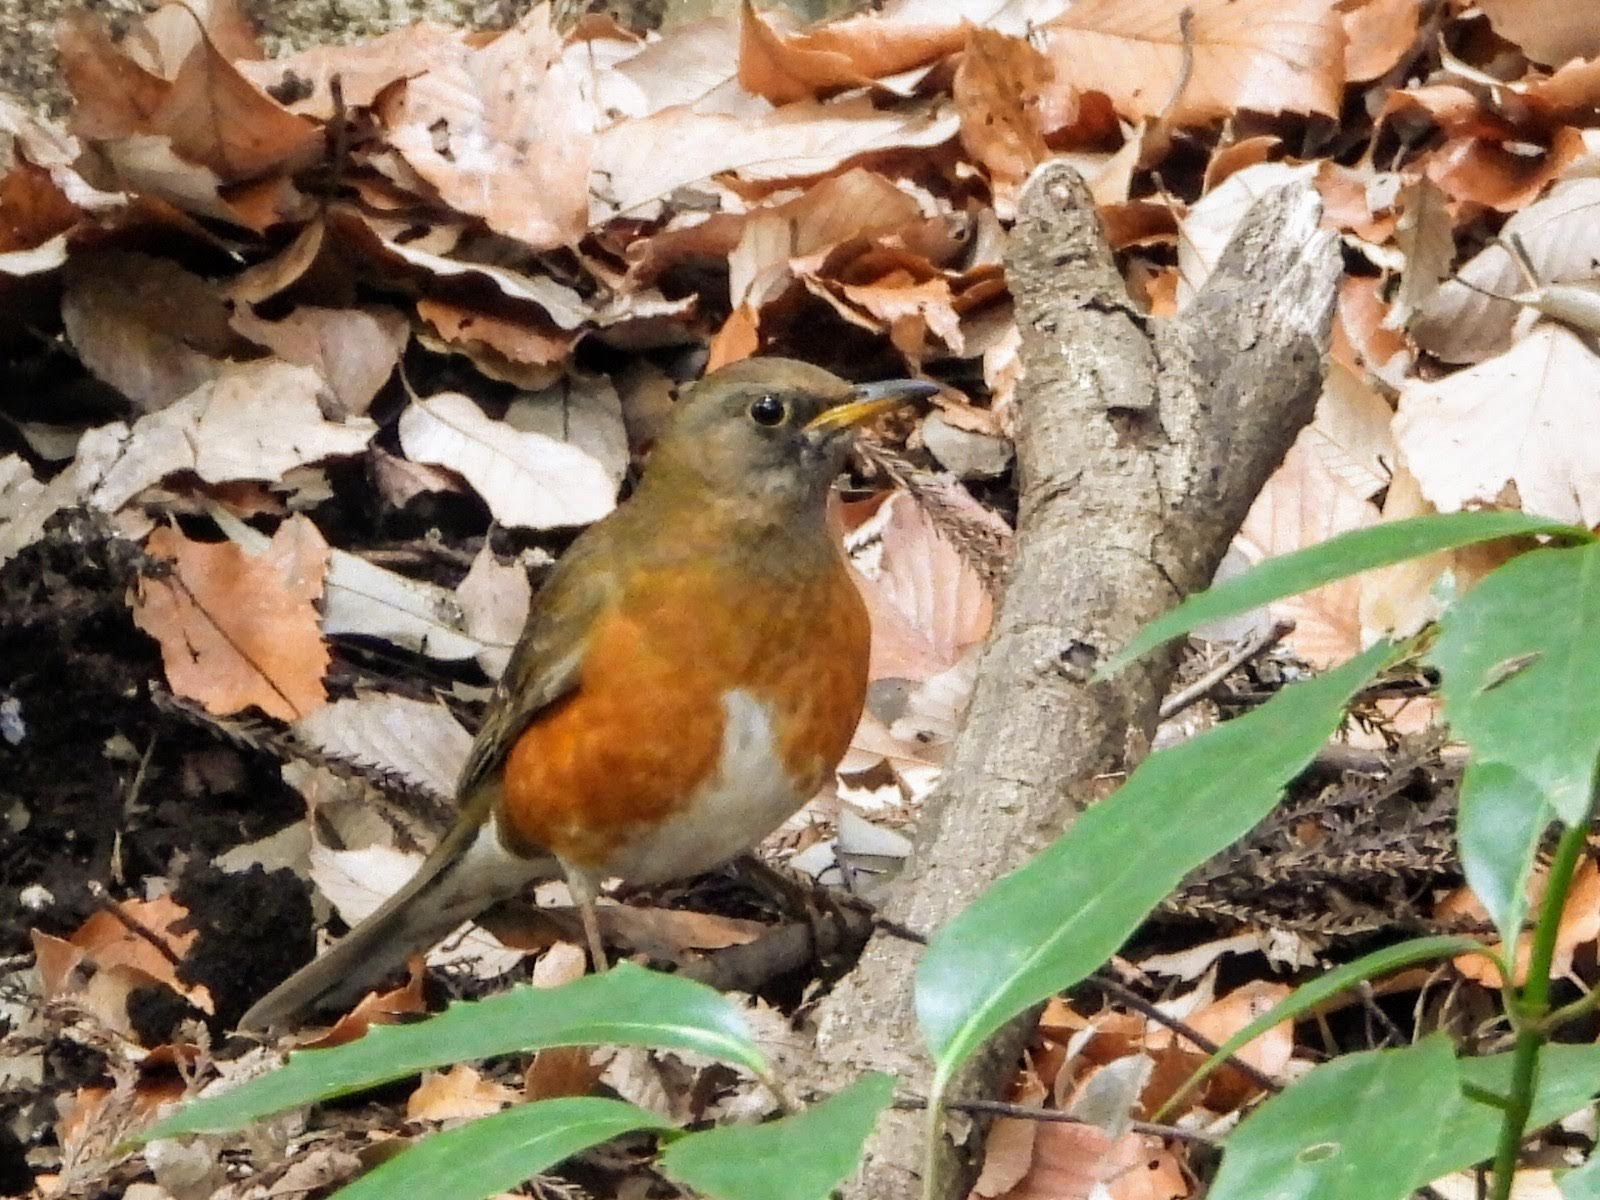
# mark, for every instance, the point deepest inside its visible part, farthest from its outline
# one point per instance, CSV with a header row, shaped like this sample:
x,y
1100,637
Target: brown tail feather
x,y
467,872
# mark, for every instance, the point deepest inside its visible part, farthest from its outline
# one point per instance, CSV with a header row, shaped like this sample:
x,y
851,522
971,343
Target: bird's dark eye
x,y
768,410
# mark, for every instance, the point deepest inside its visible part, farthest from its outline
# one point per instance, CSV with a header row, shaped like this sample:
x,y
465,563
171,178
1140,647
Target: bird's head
x,y
771,432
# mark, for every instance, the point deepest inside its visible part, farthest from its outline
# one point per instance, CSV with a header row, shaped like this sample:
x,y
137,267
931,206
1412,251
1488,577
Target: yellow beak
x,y
868,400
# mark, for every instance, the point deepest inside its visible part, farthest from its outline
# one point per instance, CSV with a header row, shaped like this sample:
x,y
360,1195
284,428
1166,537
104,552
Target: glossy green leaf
x,y
1323,988
1520,659
1566,1082
1050,923
1362,1127
1348,554
803,1157
625,1006
496,1153
1583,1183
1501,821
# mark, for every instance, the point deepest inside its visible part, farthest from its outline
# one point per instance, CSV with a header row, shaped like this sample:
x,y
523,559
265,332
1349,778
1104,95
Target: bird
x,y
690,673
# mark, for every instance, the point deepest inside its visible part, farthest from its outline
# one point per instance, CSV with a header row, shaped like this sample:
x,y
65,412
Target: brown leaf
x,y
212,115
1378,33
520,339
1071,1161
146,326
1550,32
738,339
354,349
997,91
237,630
561,1071
797,141
926,604
1266,55
784,67
504,133
457,1094
1501,173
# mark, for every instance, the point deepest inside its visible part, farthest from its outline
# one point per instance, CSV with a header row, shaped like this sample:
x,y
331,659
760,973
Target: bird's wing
x,y
548,658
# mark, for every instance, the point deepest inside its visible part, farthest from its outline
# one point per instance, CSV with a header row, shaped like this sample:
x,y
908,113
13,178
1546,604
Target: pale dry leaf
x,y
364,69
927,605
146,326
691,61
458,1094
1352,429
1551,32
559,302
1206,231
1305,502
255,420
400,481
495,599
1561,233
238,629
354,349
1266,55
26,504
1398,601
793,142
1517,428
1425,235
367,600
417,740
504,132
528,480
581,410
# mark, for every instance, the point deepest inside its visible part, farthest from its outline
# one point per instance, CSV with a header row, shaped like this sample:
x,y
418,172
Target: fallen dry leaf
x,y
238,629
528,480
1378,33
418,741
784,66
1551,32
1306,501
460,1093
354,349
1266,55
146,326
927,605
1517,428
504,132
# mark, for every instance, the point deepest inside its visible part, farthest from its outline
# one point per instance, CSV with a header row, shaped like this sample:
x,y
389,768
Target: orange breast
x,y
642,734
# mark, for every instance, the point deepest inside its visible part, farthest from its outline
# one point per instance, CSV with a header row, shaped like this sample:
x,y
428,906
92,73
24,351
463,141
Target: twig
x,y
1032,1112
1186,68
133,925
1183,1029
1252,647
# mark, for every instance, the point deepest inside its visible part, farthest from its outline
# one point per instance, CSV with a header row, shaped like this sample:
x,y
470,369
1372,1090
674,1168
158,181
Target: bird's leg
x,y
585,889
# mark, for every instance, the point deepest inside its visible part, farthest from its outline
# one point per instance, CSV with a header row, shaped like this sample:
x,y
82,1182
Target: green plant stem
x,y
1532,1007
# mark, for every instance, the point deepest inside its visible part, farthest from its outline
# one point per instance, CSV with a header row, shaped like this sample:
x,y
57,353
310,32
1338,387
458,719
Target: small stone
x,y
964,453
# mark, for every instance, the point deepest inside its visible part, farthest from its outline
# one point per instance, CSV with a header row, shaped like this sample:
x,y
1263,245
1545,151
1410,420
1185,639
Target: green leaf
x,y
625,1006
1520,657
1050,923
1362,1127
1324,987
1348,554
1583,1183
1565,1083
803,1157
496,1153
1501,821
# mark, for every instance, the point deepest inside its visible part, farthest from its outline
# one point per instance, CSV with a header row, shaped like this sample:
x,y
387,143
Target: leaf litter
x,y
328,355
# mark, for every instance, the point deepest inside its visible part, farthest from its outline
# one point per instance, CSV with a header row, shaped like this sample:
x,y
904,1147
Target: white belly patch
x,y
749,796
